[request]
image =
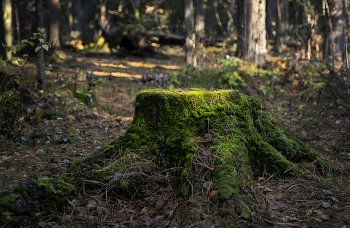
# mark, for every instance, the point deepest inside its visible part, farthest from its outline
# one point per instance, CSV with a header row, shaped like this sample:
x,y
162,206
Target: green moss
x,y
7,204
56,192
334,182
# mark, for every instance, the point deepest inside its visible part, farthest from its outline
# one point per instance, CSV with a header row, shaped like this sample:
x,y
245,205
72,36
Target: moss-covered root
x,y
42,194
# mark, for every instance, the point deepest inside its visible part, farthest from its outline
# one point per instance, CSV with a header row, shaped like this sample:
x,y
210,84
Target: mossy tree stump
x,y
235,139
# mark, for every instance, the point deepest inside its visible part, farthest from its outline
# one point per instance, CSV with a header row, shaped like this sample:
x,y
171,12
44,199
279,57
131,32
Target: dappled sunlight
x,y
117,74
147,65
137,64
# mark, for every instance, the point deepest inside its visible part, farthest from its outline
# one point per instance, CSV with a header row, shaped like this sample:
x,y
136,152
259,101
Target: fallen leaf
x,y
144,210
206,152
334,199
92,202
160,204
146,218
261,179
271,196
242,223
299,205
150,222
205,216
117,177
171,214
291,218
253,189
325,205
308,213
325,217
268,189
318,212
207,224
327,192
213,194
162,181
207,184
208,136
279,196
158,218
273,207
281,206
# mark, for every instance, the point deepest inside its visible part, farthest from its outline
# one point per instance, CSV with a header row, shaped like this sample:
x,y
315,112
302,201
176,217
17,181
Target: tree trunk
x,y
40,66
230,13
271,16
188,21
69,24
156,14
240,26
83,19
54,27
7,20
18,30
281,25
103,13
335,36
200,19
253,32
76,15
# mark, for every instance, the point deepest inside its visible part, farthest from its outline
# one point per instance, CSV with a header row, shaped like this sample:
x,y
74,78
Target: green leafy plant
x,y
310,73
85,94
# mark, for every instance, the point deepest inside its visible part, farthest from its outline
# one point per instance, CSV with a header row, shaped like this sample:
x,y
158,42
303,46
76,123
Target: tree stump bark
x,y
227,133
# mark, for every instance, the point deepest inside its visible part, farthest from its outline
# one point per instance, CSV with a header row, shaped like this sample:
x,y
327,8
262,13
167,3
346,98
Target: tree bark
x,y
40,66
76,15
18,30
188,21
69,25
103,17
83,19
54,20
230,12
7,20
253,32
240,26
281,25
335,36
200,19
271,15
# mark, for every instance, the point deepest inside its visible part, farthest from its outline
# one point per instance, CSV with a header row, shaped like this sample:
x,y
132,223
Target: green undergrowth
x,y
228,73
43,194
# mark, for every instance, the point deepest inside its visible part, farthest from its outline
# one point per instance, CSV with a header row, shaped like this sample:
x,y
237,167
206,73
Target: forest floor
x,y
293,202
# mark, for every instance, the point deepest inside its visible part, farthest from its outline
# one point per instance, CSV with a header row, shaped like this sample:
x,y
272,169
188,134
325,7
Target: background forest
x,y
70,72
